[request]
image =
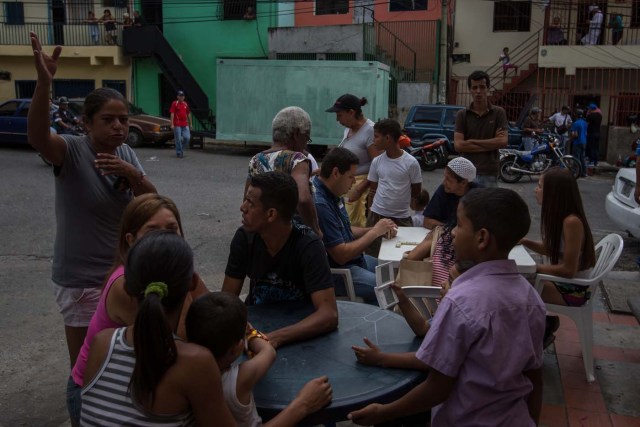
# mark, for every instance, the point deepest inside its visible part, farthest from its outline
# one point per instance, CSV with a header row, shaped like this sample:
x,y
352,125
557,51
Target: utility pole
x,y
444,54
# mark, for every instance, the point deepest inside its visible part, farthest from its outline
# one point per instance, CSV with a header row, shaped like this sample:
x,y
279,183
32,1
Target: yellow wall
x,y
474,34
22,68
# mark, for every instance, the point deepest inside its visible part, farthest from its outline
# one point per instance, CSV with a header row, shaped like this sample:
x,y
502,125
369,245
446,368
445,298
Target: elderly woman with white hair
x,y
291,132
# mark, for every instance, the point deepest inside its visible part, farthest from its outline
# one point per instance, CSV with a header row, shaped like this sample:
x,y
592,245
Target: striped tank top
x,y
106,401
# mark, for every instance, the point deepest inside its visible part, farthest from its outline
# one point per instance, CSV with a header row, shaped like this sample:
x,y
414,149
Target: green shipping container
x,y
251,92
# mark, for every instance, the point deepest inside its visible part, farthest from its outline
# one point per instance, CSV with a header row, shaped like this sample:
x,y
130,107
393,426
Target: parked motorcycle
x,y
547,153
430,151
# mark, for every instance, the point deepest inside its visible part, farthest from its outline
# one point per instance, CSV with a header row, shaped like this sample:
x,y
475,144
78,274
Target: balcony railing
x,y
578,35
76,34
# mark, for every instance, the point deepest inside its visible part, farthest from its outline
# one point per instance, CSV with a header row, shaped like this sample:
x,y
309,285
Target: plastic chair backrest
x,y
424,298
610,248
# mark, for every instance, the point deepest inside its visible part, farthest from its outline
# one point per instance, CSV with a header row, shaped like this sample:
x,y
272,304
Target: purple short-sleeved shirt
x,y
486,333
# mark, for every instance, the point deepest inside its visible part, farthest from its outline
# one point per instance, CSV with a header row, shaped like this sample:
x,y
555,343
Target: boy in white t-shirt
x,y
218,321
394,179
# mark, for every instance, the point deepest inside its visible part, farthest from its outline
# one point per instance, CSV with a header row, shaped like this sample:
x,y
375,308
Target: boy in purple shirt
x,y
484,346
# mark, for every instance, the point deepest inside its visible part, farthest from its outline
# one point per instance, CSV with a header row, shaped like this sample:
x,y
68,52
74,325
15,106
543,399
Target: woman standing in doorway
x,y
358,138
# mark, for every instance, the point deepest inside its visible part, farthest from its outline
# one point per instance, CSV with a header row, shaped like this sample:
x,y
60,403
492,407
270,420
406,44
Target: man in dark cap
x,y
63,120
181,123
594,120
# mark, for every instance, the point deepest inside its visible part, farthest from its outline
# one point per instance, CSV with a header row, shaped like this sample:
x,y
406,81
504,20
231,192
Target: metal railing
x,y
572,25
382,45
577,35
50,34
521,56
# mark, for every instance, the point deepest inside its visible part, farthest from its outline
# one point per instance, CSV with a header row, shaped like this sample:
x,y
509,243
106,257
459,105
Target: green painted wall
x,y
253,91
145,89
200,38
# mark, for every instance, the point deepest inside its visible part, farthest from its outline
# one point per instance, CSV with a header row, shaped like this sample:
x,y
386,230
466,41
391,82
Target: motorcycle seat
x,y
521,153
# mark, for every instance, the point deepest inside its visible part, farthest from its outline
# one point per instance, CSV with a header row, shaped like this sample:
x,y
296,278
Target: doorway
x,y
58,17
151,11
167,94
585,15
582,101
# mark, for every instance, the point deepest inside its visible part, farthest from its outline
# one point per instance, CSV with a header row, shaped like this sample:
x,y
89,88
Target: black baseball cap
x,y
345,102
180,93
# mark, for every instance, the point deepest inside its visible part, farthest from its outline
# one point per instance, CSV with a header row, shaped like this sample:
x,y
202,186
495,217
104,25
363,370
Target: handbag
x,y
418,273
563,128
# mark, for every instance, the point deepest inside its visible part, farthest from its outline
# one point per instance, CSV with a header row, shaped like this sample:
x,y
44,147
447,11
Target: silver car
x,y
620,203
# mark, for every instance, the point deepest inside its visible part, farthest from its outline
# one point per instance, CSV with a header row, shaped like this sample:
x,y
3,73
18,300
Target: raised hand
x,y
370,355
45,65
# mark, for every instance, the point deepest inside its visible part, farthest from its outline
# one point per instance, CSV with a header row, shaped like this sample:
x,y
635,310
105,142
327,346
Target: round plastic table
x,y
354,385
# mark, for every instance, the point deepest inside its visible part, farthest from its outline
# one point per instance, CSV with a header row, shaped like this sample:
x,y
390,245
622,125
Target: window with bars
x,y
512,16
78,10
25,88
405,5
14,13
635,14
235,9
119,85
72,88
332,7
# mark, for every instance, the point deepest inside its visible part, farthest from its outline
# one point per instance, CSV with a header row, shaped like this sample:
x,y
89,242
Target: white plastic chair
x,y
610,248
345,273
424,298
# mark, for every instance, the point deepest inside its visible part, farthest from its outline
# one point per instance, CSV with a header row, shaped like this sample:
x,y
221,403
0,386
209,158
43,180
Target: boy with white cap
x,y
458,180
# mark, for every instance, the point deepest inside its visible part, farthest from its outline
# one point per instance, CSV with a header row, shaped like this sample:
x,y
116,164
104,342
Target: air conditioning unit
x,y
321,56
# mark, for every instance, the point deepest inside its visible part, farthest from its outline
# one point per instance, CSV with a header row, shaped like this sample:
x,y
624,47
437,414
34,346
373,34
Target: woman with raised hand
x,y
95,178
145,373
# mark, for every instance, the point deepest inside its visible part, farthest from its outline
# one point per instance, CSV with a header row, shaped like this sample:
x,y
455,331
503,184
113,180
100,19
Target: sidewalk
x,y
614,398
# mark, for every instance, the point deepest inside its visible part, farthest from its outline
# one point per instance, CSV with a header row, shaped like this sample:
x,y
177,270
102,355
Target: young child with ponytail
x,y
144,372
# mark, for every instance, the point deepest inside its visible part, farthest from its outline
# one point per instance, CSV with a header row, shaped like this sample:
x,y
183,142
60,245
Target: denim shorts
x,y
573,295
76,305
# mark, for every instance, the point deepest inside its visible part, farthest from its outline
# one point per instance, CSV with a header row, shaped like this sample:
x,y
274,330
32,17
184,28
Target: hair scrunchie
x,y
159,288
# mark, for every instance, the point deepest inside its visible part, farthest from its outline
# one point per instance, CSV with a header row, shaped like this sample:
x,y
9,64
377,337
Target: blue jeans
x,y
593,148
74,401
578,151
364,281
182,136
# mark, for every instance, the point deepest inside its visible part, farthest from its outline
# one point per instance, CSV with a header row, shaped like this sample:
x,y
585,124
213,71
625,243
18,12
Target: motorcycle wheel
x,y
573,165
430,161
506,174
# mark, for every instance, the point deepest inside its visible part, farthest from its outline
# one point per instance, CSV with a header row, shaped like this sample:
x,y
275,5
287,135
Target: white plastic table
x,y
409,237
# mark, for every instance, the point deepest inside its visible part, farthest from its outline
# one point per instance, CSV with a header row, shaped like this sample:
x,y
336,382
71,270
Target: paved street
x,y
207,186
